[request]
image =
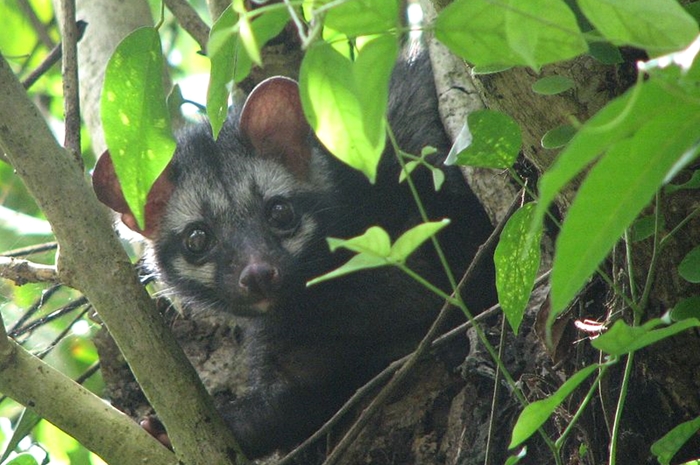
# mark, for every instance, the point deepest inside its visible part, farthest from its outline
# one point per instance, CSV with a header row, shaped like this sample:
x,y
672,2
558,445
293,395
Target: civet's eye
x,y
280,215
197,240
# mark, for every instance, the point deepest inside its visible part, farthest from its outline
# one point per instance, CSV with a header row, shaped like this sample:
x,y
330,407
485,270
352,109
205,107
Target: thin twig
x,y
67,329
420,351
38,26
190,21
31,250
31,311
494,398
71,85
56,314
51,59
23,271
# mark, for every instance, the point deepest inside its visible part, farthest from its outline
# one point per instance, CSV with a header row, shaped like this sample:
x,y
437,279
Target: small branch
x,y
6,348
51,59
23,271
54,396
38,26
216,7
30,250
31,311
190,21
71,85
17,330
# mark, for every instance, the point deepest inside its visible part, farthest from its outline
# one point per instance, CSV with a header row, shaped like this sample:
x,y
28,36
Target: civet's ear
x,y
109,192
273,121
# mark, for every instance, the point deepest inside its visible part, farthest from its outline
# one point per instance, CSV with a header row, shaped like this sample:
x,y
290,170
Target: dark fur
x,y
315,346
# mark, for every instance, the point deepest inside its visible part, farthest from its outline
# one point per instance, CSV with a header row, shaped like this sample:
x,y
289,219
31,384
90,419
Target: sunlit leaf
x,y
363,17
375,241
607,203
24,427
414,237
23,459
510,33
234,45
655,25
135,116
345,101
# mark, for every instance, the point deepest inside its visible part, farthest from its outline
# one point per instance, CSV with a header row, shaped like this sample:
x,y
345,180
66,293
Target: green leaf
x,y
517,259
534,415
558,137
513,459
617,120
658,26
510,33
607,203
689,269
234,45
686,308
622,338
643,228
372,70
552,85
363,17
375,241
495,140
408,169
356,263
606,53
413,238
374,248
692,183
345,102
226,57
135,116
665,448
438,178
23,459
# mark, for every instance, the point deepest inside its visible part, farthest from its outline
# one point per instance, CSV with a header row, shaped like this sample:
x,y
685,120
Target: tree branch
x,y
190,21
93,261
71,407
24,271
71,85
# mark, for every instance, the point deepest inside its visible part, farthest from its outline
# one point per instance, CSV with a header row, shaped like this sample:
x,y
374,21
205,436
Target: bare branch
x,y
71,85
38,26
190,21
23,271
53,395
